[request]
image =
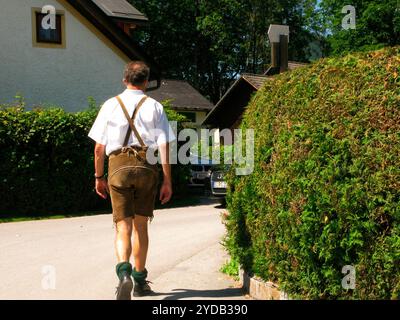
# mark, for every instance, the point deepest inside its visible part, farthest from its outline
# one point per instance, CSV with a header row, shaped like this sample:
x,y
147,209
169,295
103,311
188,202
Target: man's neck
x,y
132,87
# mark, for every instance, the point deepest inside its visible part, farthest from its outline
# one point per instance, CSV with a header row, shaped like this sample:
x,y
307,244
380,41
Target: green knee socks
x,y
139,277
124,267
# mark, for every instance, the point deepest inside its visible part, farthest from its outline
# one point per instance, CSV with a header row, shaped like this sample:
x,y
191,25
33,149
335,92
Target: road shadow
x,y
220,206
178,294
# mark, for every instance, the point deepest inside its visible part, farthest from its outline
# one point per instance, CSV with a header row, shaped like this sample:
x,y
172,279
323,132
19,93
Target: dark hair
x,y
136,73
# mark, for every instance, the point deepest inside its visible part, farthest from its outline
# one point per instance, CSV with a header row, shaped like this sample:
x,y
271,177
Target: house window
x,y
49,35
48,38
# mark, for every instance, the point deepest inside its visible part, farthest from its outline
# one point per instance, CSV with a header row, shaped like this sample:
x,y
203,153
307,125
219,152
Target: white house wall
x,y
200,117
62,77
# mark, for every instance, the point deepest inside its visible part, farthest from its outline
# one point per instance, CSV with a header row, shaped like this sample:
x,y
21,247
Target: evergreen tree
x,y
377,25
209,43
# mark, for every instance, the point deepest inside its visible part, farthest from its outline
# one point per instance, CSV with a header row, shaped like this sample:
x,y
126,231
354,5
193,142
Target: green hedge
x,y
325,192
47,162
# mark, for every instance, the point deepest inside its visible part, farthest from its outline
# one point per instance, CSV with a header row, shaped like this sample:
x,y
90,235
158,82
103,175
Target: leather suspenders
x,y
132,127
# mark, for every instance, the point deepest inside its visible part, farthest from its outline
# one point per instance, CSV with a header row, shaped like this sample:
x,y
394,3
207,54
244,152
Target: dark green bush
x,y
47,162
180,173
325,192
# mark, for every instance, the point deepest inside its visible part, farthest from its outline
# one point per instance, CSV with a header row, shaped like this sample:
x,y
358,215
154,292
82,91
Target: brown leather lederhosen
x,y
132,180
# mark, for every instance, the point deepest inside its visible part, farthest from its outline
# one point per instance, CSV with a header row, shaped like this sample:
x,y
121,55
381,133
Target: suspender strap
x,y
131,121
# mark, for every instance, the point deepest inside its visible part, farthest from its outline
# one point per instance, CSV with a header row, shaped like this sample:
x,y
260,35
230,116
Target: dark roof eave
x,y
193,109
138,22
208,119
108,27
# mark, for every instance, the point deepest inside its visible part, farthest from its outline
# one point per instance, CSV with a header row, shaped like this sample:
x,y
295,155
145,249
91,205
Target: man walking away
x,y
127,128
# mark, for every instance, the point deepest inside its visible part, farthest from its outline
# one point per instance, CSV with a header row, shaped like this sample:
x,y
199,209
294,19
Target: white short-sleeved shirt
x,y
111,125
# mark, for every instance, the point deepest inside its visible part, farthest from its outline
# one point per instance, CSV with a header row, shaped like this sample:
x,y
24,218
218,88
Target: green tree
x,y
377,25
209,43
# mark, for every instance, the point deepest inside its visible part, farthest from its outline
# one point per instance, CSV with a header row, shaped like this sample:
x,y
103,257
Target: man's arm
x,y
101,183
166,189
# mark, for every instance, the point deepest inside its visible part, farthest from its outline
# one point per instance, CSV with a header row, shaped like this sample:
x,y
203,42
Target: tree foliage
x,y
208,43
377,25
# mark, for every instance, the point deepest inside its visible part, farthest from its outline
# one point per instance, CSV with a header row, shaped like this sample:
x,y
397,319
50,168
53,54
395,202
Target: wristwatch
x,y
98,178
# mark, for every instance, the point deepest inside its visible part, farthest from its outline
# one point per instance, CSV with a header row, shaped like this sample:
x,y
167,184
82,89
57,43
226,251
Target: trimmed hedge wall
x,y
325,192
47,162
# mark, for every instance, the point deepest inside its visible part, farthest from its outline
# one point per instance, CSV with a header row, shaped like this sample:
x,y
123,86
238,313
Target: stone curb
x,y
259,289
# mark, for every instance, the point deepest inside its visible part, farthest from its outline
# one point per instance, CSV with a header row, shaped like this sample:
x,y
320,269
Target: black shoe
x,y
125,287
142,289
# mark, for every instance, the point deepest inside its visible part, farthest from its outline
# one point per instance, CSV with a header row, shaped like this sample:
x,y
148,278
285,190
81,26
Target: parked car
x,y
200,174
218,184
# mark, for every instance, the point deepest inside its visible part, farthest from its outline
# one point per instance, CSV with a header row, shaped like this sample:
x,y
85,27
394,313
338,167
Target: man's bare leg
x,y
123,240
123,248
141,242
140,249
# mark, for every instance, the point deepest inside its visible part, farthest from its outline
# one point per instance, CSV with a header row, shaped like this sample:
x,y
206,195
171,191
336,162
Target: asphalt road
x,y
74,258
